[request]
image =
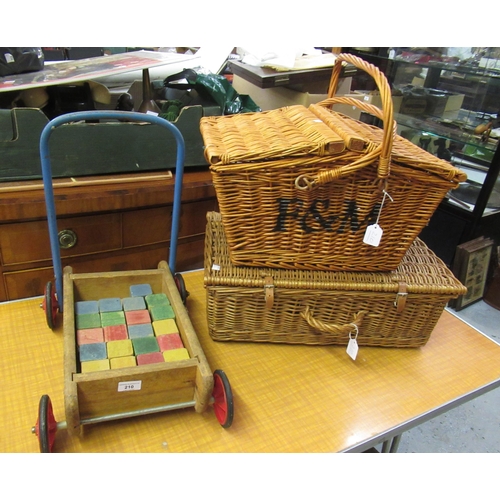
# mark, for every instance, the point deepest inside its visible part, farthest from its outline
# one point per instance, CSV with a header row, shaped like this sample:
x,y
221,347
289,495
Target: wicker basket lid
x,y
285,132
421,270
360,136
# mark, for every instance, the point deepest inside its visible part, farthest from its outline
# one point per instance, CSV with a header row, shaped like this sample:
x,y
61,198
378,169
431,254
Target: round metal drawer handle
x,y
67,238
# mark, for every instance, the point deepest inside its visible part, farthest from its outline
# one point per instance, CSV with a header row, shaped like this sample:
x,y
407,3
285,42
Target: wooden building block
x,y
170,341
138,331
112,318
95,366
140,290
159,312
176,354
87,307
115,332
91,352
133,303
165,326
143,345
89,336
84,321
123,362
149,358
156,299
138,317
110,305
119,348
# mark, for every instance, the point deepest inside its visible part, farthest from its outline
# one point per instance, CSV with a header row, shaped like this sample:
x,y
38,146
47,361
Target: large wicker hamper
x,y
390,309
297,187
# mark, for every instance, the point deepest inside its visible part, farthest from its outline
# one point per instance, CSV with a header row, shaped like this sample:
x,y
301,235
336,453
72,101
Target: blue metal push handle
x,y
49,191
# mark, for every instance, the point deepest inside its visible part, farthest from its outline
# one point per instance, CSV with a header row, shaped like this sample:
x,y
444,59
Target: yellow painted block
x,y
124,362
175,354
120,348
95,365
165,326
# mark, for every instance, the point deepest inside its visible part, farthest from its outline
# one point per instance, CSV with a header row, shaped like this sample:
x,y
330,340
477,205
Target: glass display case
x,y
447,101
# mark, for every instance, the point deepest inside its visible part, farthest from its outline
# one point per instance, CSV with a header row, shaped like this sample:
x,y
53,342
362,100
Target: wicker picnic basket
x,y
297,187
389,309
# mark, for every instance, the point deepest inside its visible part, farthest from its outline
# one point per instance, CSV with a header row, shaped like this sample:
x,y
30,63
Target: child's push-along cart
x,y
108,389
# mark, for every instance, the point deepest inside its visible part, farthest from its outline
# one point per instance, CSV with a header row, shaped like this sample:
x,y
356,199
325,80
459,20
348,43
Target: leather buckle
x,y
269,291
401,297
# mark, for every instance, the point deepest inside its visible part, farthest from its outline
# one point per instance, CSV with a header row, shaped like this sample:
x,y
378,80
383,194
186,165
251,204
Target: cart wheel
x,y
223,399
46,425
181,286
50,305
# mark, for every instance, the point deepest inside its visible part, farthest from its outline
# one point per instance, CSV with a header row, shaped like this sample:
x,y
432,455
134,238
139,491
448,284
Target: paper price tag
x,y
373,235
134,385
352,348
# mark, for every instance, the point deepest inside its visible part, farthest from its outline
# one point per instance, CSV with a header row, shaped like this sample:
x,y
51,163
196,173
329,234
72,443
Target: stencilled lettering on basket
x,y
317,216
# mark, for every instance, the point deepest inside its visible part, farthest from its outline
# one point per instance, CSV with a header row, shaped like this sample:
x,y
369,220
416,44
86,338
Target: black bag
x,y
15,60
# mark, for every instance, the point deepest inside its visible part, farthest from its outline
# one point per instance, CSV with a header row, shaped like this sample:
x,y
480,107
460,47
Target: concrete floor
x,y
473,427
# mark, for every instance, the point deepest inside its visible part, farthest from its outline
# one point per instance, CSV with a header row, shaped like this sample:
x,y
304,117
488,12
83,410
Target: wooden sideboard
x,y
120,222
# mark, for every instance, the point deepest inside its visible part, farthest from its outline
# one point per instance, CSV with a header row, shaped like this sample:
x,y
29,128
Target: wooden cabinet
x,y
108,224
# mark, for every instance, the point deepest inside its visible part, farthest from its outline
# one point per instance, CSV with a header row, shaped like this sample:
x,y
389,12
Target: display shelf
x,y
450,108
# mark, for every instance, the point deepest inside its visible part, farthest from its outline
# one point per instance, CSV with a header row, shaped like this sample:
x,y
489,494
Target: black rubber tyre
x,y
50,305
46,425
181,286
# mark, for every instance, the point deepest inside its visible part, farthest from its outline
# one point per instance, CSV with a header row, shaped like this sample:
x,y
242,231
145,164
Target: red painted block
x,y
170,341
115,332
138,317
89,336
149,358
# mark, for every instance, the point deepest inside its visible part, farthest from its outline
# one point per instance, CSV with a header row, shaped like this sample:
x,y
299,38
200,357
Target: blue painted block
x,y
139,331
133,304
110,305
92,352
86,307
140,290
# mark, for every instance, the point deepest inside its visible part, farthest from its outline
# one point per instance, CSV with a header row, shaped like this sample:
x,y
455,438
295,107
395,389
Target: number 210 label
x,y
135,385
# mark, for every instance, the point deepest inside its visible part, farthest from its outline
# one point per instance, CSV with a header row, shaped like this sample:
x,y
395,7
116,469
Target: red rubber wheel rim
x,y
46,425
50,305
223,399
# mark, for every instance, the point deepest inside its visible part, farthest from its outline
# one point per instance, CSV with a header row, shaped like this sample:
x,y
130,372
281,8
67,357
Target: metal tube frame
x,y
49,191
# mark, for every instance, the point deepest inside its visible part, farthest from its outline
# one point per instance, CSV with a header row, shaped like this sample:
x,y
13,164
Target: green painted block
x,y
161,312
112,318
84,321
157,299
143,345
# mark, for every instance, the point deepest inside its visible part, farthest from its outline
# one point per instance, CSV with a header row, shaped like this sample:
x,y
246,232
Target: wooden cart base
x,y
125,392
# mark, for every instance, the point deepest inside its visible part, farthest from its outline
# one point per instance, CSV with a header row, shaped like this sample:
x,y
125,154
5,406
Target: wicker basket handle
x,y
331,327
382,153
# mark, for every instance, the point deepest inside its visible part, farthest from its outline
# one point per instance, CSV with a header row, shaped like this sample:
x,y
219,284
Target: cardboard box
x,y
279,97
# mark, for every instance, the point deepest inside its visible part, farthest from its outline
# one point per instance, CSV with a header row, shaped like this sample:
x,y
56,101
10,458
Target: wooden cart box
x,y
105,395
388,309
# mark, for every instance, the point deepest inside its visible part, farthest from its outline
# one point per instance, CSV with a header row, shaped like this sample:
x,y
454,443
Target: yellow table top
x,y
286,398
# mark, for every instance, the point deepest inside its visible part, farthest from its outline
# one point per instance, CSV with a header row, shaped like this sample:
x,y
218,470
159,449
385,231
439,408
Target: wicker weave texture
x,y
287,203
319,307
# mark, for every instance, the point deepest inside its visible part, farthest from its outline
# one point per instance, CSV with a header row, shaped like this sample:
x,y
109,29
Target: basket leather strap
x,y
269,291
401,297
